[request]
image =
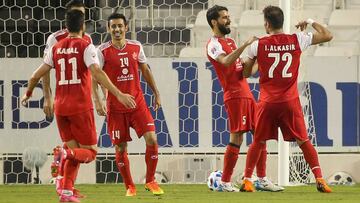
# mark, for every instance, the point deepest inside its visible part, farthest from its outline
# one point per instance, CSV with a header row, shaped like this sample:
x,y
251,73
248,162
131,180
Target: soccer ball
x,y
214,180
340,178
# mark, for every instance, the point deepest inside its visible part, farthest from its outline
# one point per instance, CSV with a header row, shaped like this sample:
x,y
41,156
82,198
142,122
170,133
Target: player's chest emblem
x,y
135,56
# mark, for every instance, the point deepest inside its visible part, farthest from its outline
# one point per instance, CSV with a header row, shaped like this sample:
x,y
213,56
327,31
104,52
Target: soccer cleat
x,y
322,186
226,187
131,191
247,186
264,184
65,198
56,162
154,188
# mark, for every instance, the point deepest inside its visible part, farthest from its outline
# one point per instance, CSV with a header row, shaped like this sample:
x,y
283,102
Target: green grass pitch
x,y
176,193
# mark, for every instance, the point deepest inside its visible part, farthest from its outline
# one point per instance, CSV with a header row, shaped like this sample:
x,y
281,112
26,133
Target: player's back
x,y
278,59
73,79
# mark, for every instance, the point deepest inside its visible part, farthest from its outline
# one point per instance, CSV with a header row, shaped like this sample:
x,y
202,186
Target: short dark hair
x,y
274,16
116,16
74,3
213,13
74,20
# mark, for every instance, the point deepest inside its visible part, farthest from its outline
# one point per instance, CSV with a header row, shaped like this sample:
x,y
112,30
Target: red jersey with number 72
x,y
278,59
122,67
71,58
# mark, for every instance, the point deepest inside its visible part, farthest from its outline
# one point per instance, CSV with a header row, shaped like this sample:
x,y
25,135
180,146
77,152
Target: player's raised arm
x,y
321,35
229,59
149,78
36,76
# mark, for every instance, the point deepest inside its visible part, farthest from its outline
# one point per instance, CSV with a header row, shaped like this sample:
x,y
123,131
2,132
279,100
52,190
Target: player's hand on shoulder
x,y
127,100
48,107
250,40
301,25
157,102
100,107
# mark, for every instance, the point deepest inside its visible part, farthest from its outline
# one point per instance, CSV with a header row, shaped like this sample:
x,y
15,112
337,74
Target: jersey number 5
x,y
285,57
74,78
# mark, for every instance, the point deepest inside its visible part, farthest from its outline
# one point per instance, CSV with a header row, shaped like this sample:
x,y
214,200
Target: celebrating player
x,y
74,59
239,102
278,57
121,59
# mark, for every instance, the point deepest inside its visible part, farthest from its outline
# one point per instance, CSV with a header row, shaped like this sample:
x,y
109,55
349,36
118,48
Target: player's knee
x,y
150,138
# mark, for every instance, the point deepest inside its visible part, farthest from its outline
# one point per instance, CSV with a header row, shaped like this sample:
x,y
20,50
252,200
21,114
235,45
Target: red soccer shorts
x,y
119,124
241,114
286,115
79,127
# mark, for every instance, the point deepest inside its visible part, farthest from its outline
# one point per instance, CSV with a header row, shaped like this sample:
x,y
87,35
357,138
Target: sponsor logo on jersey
x,y
125,77
122,53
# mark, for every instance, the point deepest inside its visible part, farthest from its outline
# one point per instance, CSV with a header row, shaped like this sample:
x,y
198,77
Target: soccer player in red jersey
x,y
121,60
48,106
240,105
278,58
75,60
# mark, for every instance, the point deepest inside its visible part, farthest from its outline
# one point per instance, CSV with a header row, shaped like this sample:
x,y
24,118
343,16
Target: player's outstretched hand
x,y
48,107
24,100
157,102
301,25
250,40
127,100
100,108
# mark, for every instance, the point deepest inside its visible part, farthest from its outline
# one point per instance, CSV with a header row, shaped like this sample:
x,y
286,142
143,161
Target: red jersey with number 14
x,y
122,67
71,58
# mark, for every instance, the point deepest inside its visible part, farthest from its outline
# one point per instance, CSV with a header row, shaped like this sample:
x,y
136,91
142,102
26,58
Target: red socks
x,y
122,163
230,158
252,157
151,159
70,173
311,158
261,164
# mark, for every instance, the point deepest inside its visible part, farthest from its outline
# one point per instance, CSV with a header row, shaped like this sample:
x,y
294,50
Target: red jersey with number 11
x,y
71,58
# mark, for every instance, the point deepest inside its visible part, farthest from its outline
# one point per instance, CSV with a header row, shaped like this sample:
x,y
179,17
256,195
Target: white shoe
x,y
226,187
264,184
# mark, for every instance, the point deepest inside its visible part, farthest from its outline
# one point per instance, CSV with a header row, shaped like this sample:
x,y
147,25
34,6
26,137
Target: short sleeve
x,y
214,49
100,57
90,56
304,39
252,51
142,57
50,42
48,57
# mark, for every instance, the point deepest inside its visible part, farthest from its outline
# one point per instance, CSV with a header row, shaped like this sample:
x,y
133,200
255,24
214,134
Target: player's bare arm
x,y
48,107
321,35
229,59
99,103
250,67
103,79
36,76
148,76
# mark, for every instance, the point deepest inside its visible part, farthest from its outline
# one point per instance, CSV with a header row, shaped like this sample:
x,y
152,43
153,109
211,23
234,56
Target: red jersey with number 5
x,y
122,67
71,58
278,59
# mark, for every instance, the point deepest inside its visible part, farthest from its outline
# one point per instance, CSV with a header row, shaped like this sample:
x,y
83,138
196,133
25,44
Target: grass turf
x,y
179,193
